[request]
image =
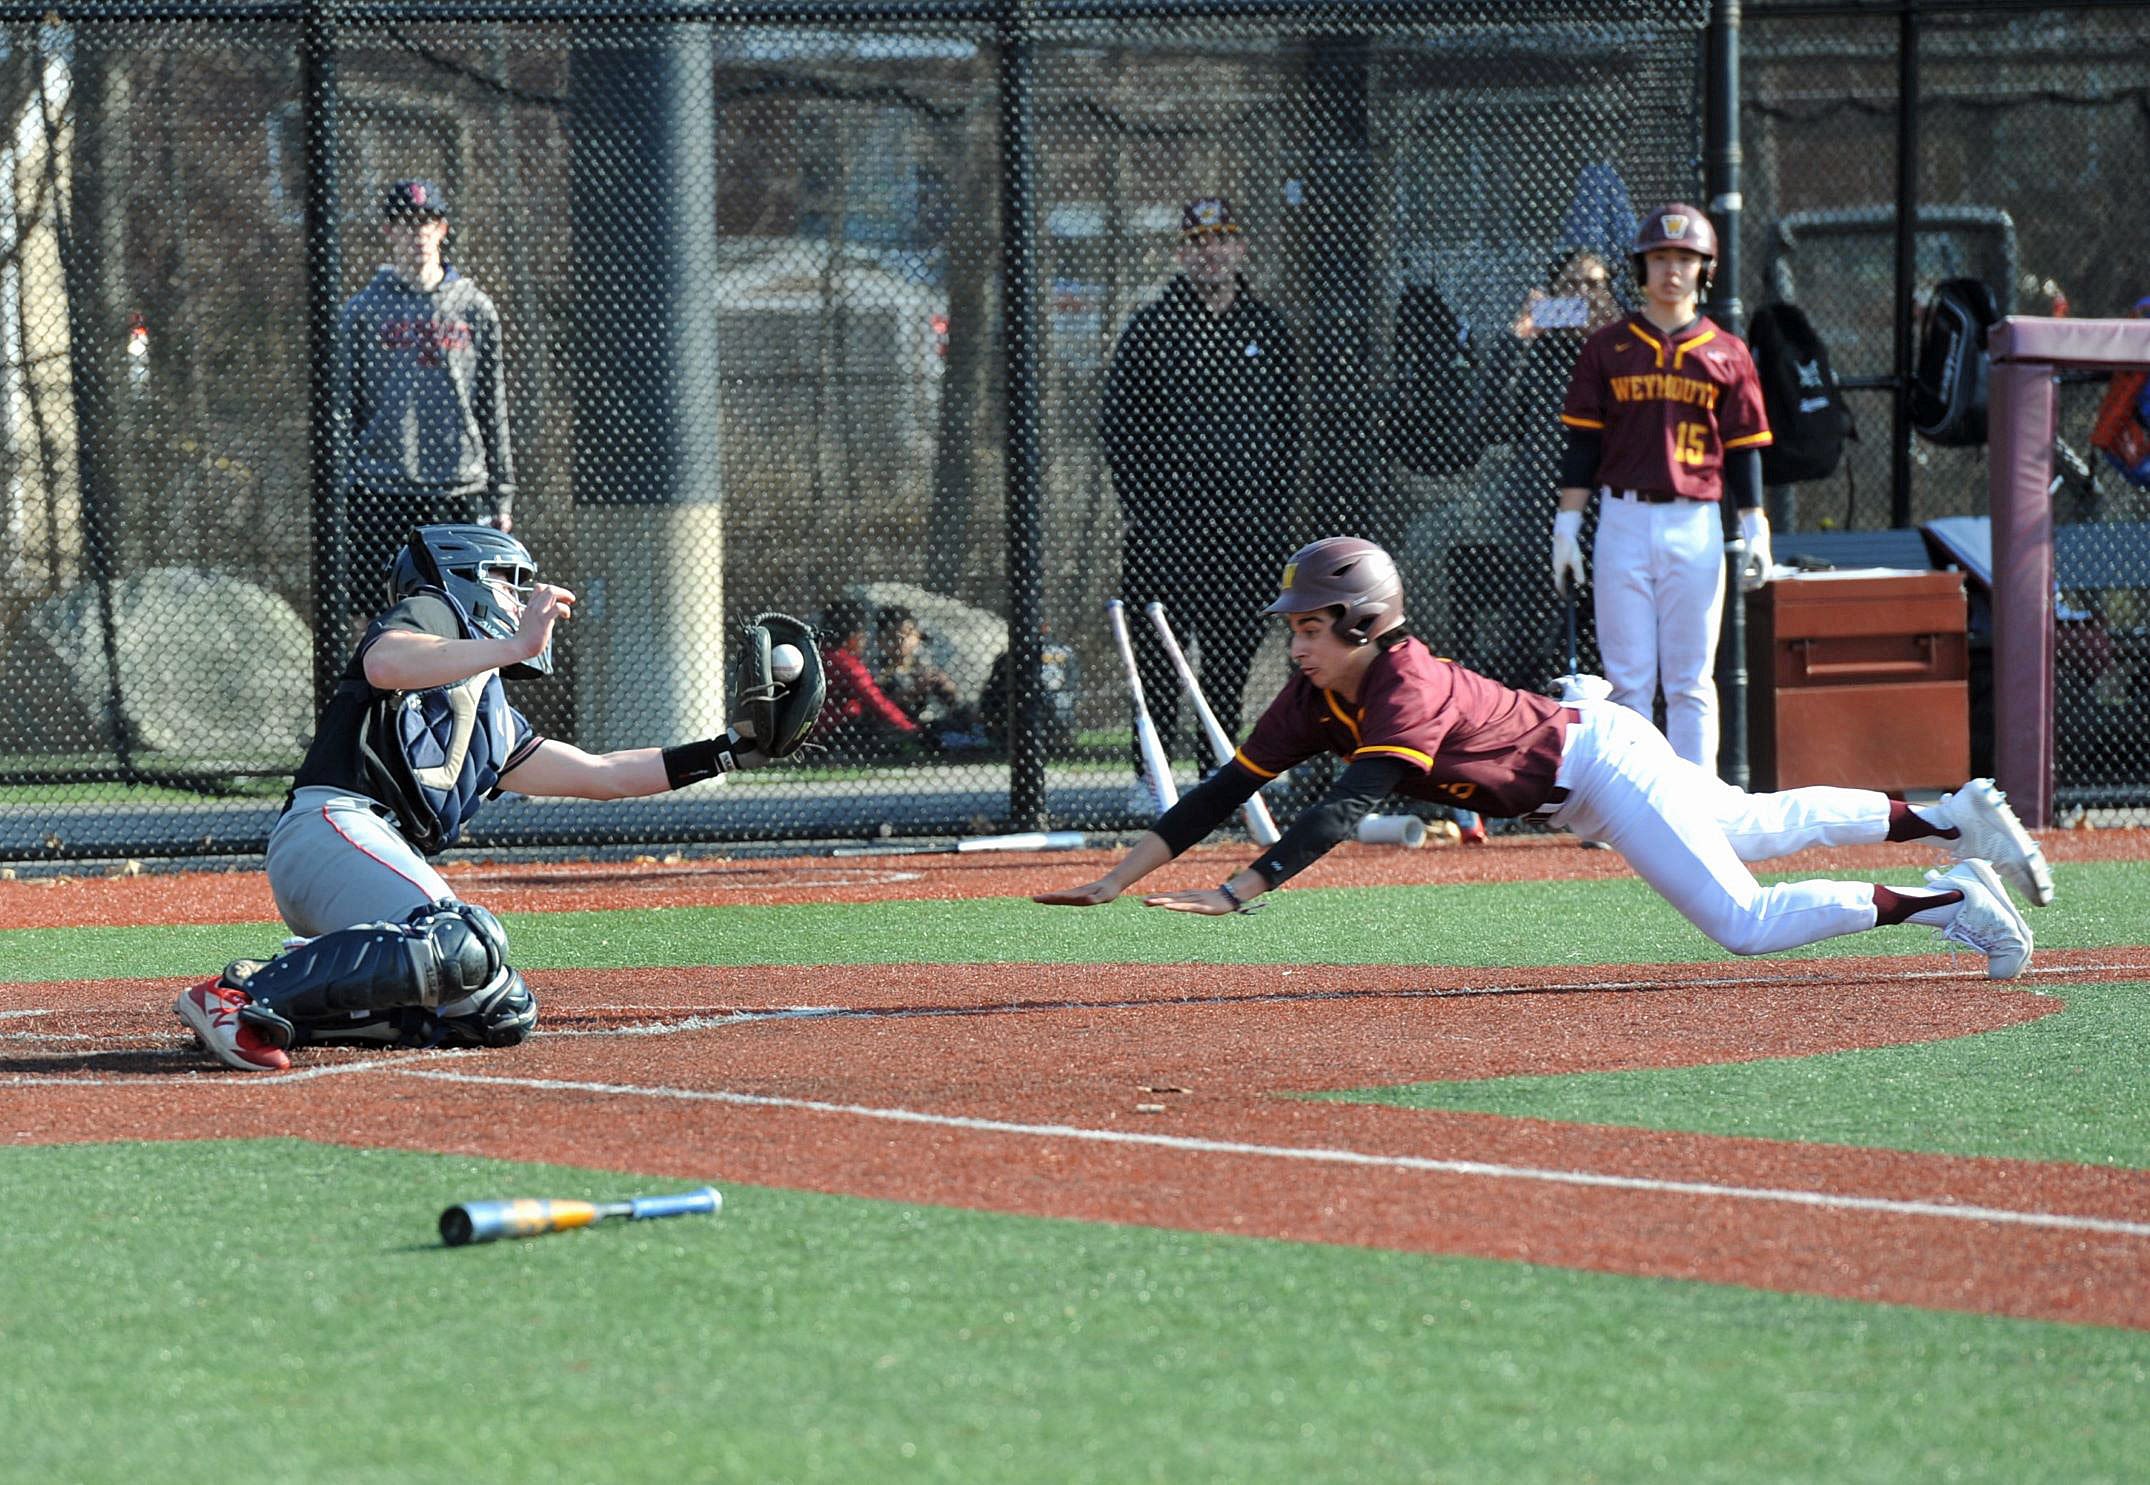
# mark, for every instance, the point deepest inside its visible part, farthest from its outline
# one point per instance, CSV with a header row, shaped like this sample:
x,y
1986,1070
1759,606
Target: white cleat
x,y
1987,830
1986,920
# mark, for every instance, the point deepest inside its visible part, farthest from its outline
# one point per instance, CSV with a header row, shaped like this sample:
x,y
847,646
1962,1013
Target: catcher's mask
x,y
486,573
1348,574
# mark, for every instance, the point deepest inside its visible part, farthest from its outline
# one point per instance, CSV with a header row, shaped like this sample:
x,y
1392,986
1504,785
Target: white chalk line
x,y
1887,1206
214,1074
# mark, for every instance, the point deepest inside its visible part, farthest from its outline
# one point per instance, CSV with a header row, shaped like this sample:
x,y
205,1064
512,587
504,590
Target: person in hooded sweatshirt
x,y
425,394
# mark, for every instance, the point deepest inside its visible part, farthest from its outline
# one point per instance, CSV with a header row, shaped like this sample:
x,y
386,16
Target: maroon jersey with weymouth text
x,y
1469,741
1669,406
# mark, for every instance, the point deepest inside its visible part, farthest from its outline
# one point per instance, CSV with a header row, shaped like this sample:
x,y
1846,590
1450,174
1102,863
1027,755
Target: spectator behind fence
x,y
902,669
1200,426
920,688
859,719
424,392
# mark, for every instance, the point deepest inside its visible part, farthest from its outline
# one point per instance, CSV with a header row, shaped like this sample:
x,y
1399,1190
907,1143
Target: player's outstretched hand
x,y
1207,901
1090,894
548,606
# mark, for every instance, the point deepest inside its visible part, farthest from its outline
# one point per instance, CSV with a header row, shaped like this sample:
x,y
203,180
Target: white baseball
x,y
785,662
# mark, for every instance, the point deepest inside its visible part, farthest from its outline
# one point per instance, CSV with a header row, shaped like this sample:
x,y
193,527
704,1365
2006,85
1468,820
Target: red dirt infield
x,y
1158,1095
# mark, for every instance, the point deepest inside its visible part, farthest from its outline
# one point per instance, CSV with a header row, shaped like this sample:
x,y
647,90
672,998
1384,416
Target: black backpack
x,y
1434,425
1948,390
1807,416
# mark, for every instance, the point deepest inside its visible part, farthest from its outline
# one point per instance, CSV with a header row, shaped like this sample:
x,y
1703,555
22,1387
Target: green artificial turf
x,y
2065,1087
1516,923
280,1311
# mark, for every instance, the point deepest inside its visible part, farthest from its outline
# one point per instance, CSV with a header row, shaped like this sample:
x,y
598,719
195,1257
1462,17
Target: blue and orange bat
x,y
483,1221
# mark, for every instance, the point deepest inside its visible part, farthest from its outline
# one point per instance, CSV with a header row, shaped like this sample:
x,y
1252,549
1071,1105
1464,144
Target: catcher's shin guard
x,y
448,951
500,1015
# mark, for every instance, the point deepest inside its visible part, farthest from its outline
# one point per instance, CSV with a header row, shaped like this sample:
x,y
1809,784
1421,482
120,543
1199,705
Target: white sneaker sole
x,y
2005,843
1992,883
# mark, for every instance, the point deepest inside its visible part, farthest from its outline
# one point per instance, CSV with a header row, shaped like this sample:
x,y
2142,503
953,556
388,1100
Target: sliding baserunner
x,y
1413,724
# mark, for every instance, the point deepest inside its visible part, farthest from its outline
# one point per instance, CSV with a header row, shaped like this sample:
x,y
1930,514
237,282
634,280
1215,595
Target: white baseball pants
x,y
1690,835
334,862
1659,575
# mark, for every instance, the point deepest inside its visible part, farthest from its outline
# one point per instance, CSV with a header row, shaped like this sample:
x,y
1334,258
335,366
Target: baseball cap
x,y
414,198
2142,305
1207,214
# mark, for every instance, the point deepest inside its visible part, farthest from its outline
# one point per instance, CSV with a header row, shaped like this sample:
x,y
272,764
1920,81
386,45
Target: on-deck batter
x,y
1663,414
1413,724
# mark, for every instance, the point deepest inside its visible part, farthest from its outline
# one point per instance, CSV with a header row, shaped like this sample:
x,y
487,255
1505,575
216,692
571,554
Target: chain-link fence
x,y
723,325
2029,129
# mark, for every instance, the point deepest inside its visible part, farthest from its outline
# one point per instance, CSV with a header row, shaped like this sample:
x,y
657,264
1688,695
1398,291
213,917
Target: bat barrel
x,y
484,1221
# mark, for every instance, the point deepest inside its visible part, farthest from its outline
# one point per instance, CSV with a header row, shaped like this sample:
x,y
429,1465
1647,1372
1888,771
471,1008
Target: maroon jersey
x,y
1469,741
1670,406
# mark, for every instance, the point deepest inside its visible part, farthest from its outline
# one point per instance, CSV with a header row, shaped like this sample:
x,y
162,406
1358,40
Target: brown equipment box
x,y
1859,680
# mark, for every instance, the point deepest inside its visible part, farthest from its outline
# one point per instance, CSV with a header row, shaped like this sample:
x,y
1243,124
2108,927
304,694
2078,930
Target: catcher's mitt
x,y
781,712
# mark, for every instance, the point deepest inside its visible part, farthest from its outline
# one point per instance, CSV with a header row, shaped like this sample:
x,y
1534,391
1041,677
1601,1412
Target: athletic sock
x,y
1908,823
1934,909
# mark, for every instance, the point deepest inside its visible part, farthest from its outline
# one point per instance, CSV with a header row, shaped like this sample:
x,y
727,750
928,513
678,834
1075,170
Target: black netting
x,y
2030,125
739,289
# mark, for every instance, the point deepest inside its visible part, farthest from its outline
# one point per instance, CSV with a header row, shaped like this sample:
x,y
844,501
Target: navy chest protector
x,y
444,749
452,743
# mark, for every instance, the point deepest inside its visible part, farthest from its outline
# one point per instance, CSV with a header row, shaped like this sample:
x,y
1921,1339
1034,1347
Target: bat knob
x,y
456,1228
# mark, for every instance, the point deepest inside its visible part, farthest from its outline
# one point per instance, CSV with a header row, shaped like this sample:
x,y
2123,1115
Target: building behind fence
x,y
752,268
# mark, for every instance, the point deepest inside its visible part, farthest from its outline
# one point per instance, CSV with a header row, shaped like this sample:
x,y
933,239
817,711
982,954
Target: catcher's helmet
x,y
1676,225
1344,573
487,573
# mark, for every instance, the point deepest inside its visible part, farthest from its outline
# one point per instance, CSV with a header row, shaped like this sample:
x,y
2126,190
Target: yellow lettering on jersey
x,y
1658,386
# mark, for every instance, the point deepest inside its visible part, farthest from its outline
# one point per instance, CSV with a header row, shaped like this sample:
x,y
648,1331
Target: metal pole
x,y
1722,149
1907,219
1025,493
327,431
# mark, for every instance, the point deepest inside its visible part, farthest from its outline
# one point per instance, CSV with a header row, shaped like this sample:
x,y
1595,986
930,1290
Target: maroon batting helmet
x,y
1342,572
1676,225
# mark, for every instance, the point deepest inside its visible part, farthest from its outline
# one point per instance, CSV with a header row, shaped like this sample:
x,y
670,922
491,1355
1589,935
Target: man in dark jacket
x,y
1201,430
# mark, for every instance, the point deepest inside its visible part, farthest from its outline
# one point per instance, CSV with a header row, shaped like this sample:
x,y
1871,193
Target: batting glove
x,y
1756,562
1567,550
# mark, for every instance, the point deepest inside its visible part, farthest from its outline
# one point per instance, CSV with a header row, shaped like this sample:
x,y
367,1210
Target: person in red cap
x,y
425,393
1201,430
1410,723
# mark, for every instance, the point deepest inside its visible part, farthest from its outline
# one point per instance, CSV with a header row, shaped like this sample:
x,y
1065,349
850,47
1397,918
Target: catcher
x,y
1413,724
417,736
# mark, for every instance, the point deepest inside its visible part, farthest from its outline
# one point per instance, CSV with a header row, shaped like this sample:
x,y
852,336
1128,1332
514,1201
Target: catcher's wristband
x,y
690,763
1238,906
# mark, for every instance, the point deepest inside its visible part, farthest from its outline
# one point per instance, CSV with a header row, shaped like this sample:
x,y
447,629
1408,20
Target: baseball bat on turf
x,y
1163,792
483,1221
1260,827
1024,840
1567,603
